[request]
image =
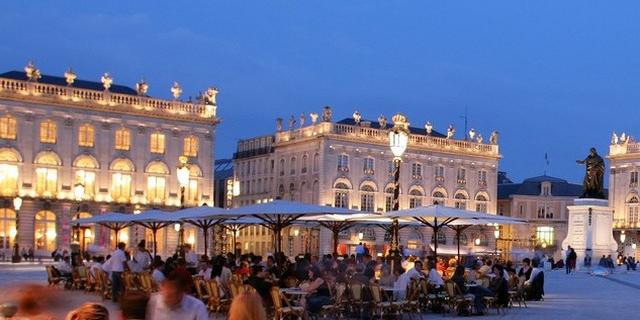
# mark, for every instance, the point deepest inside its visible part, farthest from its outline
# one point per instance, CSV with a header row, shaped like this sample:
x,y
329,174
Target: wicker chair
x,y
104,284
411,304
146,283
282,312
337,302
455,299
214,302
53,277
80,277
517,293
201,290
130,282
385,308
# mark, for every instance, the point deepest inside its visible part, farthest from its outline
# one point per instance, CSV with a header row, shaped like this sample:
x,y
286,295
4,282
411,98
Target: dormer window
x,y
546,189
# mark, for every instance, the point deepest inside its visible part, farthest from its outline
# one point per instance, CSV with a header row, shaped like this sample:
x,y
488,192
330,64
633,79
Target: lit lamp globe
x,y
623,237
477,241
78,191
183,172
17,203
496,233
398,141
177,227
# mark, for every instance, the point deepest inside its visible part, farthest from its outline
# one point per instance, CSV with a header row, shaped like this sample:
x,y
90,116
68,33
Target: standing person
x,y
117,264
173,302
192,259
573,257
141,259
359,252
567,259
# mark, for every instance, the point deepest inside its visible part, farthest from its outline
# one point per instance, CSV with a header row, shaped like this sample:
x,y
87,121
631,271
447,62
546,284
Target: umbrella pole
x,y
117,235
336,235
206,245
458,232
435,242
155,244
234,242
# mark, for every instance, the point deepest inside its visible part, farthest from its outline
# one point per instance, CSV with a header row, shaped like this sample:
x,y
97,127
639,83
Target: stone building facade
x,y
120,144
624,197
542,201
348,164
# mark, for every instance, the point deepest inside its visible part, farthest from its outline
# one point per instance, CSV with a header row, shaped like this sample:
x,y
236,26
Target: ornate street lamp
x,y
183,180
398,142
496,234
17,204
623,237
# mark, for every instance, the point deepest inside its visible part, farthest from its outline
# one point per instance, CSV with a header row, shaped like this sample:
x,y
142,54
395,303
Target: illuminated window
x,y
46,182
192,196
9,159
48,131
87,233
123,139
367,201
85,174
545,235
86,135
156,182
45,231
341,199
415,198
156,142
481,203
8,128
191,237
632,211
121,180
7,228
191,146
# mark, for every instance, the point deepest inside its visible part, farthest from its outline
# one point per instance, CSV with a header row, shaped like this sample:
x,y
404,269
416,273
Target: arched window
x,y
341,196
460,201
8,127
190,147
85,173
633,217
481,203
367,199
192,195
121,180
86,135
304,164
292,192
87,233
316,162
45,231
157,142
281,191
292,166
415,198
438,198
47,173
48,131
442,238
7,228
123,139
463,239
9,159
157,182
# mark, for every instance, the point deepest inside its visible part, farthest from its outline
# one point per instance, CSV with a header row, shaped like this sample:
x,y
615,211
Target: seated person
x,y
478,292
319,292
434,278
525,270
534,287
64,267
499,286
260,281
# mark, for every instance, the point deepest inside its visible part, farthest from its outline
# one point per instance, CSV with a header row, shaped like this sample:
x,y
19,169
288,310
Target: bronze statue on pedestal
x,y
593,185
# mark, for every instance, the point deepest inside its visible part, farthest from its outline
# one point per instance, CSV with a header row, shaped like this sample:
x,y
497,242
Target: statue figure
x,y
357,117
429,127
176,90
593,178
106,80
279,124
623,138
326,114
314,117
69,76
493,139
292,122
451,131
33,73
479,139
210,95
302,120
614,138
382,120
142,87
472,133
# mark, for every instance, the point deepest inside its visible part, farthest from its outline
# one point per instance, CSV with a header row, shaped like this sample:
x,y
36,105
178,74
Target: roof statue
x,y
593,179
493,139
614,138
382,120
279,124
176,90
106,80
479,139
326,114
451,131
302,120
472,134
357,117
33,73
70,76
142,87
292,122
210,95
314,117
429,127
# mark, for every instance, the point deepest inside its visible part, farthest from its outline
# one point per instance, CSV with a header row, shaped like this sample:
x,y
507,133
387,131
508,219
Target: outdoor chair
x,y
517,293
337,302
201,290
80,278
129,281
146,283
456,300
282,312
105,284
214,302
357,298
53,277
411,304
381,307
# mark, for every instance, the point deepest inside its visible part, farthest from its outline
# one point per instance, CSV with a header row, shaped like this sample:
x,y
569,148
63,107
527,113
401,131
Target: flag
x,y
546,158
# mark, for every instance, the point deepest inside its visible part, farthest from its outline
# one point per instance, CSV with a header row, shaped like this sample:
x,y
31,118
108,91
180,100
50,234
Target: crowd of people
x,y
314,275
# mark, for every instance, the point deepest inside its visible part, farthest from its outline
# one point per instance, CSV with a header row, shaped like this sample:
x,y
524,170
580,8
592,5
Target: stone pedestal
x,y
590,230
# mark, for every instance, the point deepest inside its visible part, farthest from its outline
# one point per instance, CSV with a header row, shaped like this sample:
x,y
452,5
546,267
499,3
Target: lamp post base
x,y
15,258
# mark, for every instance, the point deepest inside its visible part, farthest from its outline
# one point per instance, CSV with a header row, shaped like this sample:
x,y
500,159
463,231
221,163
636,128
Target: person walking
x,y
117,264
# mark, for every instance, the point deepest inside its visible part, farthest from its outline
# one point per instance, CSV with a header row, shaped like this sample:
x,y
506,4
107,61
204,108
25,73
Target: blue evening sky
x,y
551,76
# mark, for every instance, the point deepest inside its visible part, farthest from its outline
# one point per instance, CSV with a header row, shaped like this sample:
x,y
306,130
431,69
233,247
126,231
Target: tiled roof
x,y
376,125
60,81
532,187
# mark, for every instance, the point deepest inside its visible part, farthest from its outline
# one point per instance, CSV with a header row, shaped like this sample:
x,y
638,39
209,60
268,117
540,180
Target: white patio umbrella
x,y
336,223
235,225
437,216
154,220
460,225
114,221
205,218
278,214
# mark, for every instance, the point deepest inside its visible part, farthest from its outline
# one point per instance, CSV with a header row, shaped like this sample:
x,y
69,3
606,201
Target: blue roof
x,y
61,81
532,187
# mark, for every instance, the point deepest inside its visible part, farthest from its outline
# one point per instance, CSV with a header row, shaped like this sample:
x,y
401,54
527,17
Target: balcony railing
x,y
381,136
626,224
104,100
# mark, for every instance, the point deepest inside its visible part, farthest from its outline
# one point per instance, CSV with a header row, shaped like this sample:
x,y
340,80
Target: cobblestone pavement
x,y
576,296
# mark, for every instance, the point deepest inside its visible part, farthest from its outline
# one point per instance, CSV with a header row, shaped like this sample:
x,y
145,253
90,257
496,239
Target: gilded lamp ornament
x,y
176,90
70,76
33,73
106,80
